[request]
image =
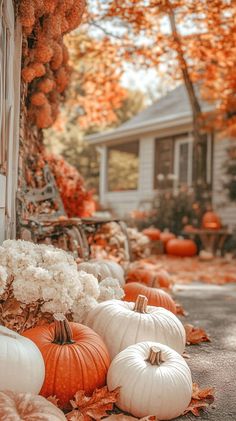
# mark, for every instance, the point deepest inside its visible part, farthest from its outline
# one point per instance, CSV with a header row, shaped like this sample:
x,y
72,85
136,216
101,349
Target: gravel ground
x,y
214,363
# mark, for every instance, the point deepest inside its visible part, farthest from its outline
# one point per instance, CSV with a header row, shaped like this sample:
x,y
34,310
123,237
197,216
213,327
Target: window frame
x,y
108,190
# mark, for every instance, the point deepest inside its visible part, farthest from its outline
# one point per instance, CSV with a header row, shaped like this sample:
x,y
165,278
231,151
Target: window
x,y
123,166
164,154
183,165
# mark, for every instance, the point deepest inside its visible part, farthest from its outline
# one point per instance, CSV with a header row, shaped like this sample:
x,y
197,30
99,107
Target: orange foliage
x,y
78,202
46,22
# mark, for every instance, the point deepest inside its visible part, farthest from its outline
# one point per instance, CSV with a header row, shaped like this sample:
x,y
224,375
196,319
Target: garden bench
x,y
42,217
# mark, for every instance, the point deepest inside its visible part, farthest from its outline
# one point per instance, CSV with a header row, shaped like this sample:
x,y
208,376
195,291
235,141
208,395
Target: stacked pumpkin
x,y
144,342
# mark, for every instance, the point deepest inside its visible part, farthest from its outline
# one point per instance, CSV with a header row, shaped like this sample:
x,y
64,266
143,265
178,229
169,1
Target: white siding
x,y
221,203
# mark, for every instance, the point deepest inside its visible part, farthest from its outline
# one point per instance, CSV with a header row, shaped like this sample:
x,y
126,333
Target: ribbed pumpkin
x,y
211,220
159,278
152,233
181,247
153,379
27,407
121,324
156,297
143,276
75,357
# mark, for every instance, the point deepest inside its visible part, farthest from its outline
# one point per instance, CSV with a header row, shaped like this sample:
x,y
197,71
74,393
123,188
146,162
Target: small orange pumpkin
x,y
156,297
166,236
152,233
181,247
75,358
211,220
143,276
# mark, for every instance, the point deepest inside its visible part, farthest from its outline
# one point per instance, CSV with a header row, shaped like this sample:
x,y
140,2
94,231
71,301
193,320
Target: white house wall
x,y
124,202
221,203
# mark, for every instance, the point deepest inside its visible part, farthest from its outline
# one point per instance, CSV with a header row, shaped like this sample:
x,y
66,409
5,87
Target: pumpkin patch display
x,y
21,363
122,323
102,269
75,358
28,407
211,221
156,297
181,247
153,379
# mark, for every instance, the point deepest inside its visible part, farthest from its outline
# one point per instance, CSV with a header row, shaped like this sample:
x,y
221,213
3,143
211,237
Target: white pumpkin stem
x,y
141,304
63,332
154,357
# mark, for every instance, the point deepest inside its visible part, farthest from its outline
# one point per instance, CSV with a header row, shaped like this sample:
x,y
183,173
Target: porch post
x,y
103,175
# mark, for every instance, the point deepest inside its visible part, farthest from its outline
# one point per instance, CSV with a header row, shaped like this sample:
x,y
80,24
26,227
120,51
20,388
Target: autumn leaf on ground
x,y
198,394
180,310
53,399
201,399
195,335
93,407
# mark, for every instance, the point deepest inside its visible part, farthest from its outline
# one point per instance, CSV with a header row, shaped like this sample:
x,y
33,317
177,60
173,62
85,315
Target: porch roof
x,y
171,110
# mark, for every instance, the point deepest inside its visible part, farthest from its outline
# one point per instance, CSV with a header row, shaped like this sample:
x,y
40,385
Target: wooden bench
x,y
42,218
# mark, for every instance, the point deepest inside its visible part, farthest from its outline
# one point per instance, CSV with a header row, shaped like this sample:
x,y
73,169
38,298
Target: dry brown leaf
x,y
180,310
93,407
53,399
195,335
201,399
207,393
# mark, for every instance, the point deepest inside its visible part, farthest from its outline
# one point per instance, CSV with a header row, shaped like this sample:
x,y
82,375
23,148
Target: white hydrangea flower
x,y
89,283
81,308
3,279
110,289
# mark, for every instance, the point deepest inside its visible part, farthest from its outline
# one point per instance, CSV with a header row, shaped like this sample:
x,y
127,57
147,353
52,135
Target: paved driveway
x,y
213,364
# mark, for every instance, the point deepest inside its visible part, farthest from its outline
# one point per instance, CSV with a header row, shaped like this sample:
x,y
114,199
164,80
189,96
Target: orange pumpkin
x,y
156,297
143,276
181,247
166,236
152,233
211,220
75,358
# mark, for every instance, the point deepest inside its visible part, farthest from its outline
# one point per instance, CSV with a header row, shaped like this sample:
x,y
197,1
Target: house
x,y
154,151
10,70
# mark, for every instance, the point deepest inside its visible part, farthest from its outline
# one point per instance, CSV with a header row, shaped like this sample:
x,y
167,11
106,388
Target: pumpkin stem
x,y
63,332
154,357
141,304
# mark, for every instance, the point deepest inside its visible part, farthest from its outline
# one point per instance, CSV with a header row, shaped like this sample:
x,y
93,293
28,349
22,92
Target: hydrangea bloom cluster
x,y
43,279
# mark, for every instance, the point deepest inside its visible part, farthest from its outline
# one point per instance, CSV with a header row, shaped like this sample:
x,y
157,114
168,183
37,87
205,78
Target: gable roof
x,y
172,109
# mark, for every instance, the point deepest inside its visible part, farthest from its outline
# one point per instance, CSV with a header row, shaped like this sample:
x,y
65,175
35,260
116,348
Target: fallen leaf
x,y
185,355
207,393
93,407
180,310
201,399
195,335
53,399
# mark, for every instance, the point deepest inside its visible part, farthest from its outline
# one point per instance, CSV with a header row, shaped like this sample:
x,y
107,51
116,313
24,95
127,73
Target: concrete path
x,y
213,364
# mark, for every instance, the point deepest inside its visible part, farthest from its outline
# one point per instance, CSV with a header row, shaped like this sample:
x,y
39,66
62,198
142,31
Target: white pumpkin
x,y
153,380
21,363
102,269
122,323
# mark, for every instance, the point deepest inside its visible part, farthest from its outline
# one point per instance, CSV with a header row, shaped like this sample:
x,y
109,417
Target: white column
x,y
146,166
